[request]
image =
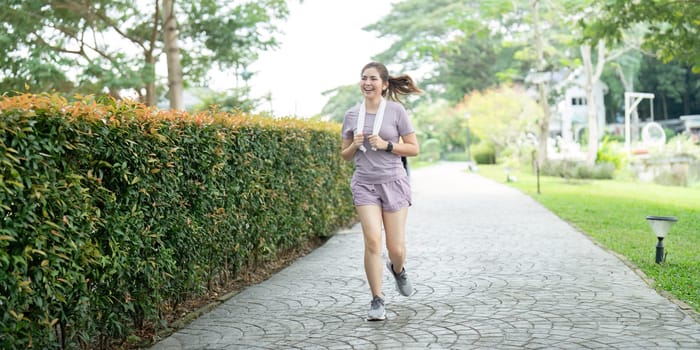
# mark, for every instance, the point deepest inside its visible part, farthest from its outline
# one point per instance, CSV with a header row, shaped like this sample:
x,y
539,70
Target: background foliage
x,y
672,26
114,46
454,49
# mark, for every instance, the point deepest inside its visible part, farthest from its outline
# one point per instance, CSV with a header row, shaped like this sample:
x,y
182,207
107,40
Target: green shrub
x,y
112,213
48,216
484,153
519,155
676,176
603,171
429,150
575,170
610,137
670,133
557,168
611,152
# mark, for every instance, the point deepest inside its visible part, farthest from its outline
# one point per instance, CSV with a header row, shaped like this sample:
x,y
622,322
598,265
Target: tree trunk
x,y
114,92
172,53
151,94
151,97
592,153
592,77
664,106
541,87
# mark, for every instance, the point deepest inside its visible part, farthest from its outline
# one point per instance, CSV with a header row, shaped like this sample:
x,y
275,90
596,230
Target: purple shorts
x,y
390,196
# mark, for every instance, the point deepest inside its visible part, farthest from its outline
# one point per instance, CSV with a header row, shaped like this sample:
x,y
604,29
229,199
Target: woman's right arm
x,y
348,149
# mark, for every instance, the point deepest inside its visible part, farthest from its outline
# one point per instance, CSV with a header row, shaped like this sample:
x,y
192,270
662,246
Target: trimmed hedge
x,y
112,211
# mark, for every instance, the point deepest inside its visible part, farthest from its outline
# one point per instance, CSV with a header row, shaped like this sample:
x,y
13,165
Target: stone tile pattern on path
x,y
492,268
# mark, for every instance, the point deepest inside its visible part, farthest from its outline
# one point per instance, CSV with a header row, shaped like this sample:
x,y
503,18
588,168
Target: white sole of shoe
x,y
374,319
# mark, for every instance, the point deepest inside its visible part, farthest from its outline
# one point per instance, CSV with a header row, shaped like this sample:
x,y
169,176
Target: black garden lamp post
x,y
661,225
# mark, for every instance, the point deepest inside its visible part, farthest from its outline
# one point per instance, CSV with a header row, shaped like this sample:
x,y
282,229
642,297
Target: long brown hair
x,y
398,85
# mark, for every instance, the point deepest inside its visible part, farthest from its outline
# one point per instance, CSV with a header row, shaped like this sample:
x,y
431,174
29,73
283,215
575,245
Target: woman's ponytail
x,y
399,85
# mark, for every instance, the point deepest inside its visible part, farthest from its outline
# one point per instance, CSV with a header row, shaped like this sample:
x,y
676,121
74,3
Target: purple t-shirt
x,y
376,167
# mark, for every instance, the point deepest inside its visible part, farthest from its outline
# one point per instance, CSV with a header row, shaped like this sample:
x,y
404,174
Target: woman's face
x,y
371,84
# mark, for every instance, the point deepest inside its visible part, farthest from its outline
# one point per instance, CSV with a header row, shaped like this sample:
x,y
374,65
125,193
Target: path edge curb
x,y
684,307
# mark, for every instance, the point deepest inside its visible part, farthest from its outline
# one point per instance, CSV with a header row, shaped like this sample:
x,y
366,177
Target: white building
x,y
569,119
570,115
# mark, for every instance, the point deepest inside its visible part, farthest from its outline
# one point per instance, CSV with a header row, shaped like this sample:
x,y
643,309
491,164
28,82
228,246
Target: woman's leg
x,y
371,220
395,227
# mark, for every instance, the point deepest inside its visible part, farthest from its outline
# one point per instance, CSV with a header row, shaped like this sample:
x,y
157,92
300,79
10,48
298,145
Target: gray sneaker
x,y
402,283
376,310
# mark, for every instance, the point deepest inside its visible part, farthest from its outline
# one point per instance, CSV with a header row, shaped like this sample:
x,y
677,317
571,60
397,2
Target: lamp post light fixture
x,y
661,225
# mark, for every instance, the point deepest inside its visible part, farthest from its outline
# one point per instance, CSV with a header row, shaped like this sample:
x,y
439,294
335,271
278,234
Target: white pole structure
x,y
632,99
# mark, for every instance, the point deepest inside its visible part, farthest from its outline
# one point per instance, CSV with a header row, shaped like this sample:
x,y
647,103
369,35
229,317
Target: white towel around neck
x,y
377,120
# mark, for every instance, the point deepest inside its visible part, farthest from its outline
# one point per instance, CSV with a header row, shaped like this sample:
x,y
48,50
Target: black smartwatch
x,y
389,146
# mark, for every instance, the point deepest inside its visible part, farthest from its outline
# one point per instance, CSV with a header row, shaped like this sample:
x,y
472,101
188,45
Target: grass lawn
x,y
613,213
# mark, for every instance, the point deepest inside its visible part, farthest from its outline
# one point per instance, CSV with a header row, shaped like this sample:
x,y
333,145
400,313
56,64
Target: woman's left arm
x,y
409,147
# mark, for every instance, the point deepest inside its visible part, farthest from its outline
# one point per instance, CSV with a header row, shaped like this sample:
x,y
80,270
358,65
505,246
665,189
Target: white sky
x,y
322,47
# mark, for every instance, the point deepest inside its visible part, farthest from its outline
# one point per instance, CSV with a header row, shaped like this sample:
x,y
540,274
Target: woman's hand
x,y
377,142
358,140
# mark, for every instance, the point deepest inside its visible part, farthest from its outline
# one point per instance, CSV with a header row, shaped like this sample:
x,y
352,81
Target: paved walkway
x,y
493,270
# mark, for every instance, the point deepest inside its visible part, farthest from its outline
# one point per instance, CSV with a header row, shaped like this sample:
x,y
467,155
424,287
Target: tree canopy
x,y
673,27
452,42
109,46
340,100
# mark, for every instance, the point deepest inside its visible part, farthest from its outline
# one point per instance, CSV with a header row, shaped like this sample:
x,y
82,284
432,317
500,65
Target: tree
x,y
433,35
562,36
670,30
449,40
42,40
672,27
676,88
234,100
113,46
564,32
443,123
592,75
501,116
422,29
172,52
627,67
340,100
476,63
542,85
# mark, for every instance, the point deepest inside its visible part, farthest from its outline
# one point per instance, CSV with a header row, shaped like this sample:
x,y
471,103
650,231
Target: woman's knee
x,y
373,245
396,249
